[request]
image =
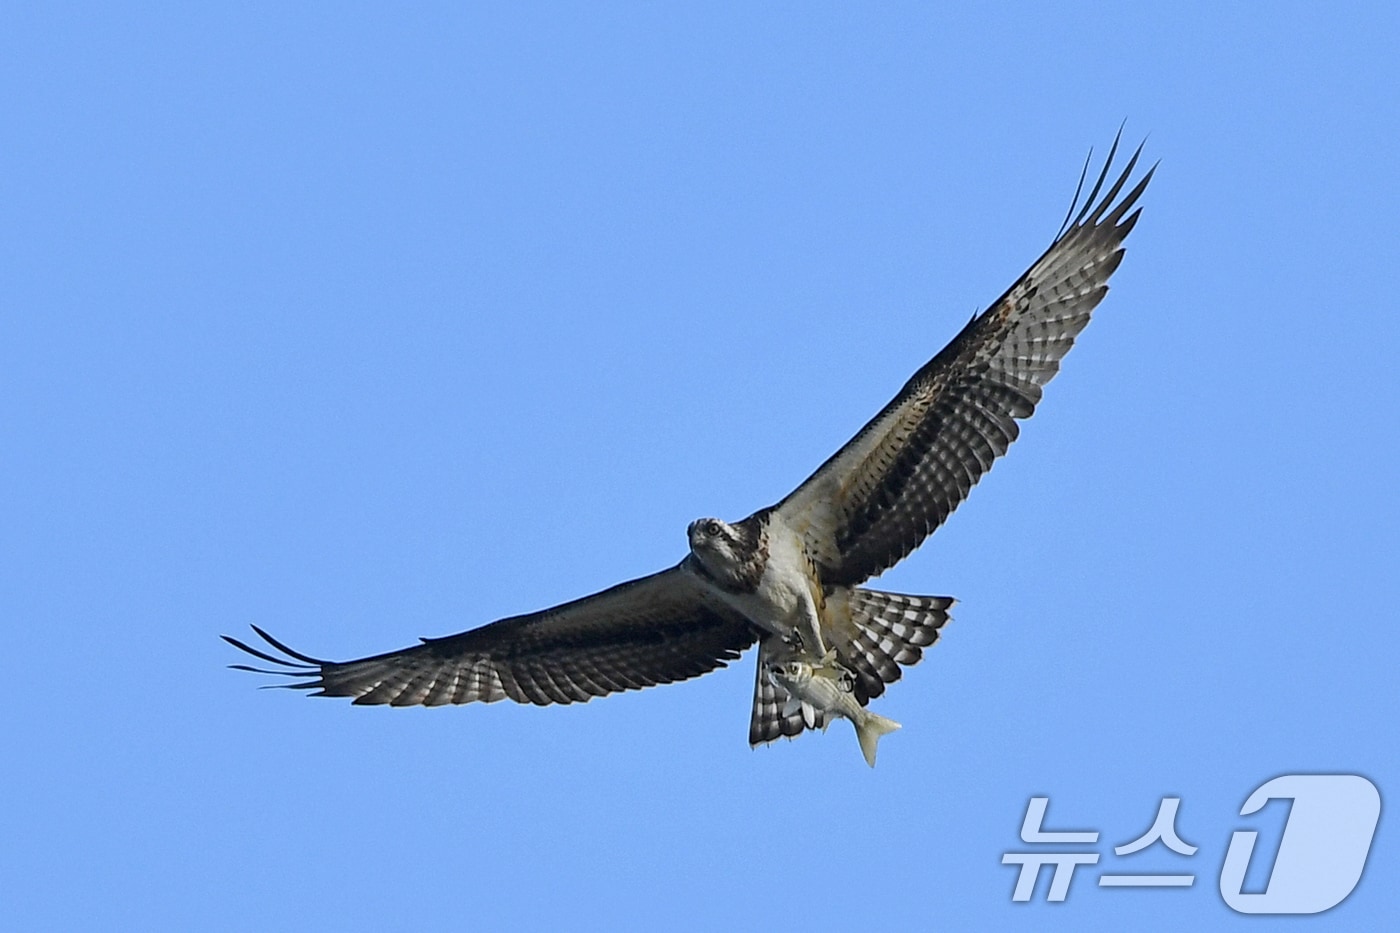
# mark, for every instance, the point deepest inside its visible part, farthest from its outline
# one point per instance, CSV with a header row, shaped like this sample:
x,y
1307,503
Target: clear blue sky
x,y
368,324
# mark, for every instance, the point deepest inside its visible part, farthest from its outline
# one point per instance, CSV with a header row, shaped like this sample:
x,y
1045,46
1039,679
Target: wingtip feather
x,y
271,659
288,651
1091,210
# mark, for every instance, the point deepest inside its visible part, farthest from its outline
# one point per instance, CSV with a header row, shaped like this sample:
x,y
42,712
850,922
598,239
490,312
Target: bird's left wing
x,y
653,630
897,480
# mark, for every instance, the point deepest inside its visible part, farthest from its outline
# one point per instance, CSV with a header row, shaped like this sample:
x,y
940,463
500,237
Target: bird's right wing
x,y
653,630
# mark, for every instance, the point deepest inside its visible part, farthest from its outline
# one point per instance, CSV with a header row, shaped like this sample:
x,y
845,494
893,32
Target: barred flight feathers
x,y
772,718
905,472
654,630
876,635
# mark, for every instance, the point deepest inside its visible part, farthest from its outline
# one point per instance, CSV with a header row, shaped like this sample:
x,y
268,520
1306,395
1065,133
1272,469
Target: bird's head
x,y
715,543
733,555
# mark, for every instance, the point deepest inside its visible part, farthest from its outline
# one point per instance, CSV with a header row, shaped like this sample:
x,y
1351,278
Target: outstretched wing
x,y
897,480
654,630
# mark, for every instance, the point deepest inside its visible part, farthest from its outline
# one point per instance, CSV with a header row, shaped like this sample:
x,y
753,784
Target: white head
x,y
719,547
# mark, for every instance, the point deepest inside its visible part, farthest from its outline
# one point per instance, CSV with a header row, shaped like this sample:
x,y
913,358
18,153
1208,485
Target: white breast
x,y
784,593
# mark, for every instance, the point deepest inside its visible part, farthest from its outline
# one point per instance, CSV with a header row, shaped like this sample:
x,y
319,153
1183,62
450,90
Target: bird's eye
x,y
712,528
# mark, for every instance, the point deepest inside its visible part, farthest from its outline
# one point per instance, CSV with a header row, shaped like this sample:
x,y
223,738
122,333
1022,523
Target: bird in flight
x,y
789,576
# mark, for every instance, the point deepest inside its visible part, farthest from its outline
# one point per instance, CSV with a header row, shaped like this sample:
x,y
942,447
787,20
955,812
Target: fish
x,y
825,688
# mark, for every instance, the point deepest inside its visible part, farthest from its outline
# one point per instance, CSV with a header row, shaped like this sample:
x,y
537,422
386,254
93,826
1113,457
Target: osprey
x,y
789,576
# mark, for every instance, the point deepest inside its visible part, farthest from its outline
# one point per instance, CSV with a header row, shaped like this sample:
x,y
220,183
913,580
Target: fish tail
x,y
869,730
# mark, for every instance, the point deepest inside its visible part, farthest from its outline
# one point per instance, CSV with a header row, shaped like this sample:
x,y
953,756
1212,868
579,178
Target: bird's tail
x,y
774,714
877,634
868,730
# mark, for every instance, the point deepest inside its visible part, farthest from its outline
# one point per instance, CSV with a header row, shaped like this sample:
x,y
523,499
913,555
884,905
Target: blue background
x,y
363,324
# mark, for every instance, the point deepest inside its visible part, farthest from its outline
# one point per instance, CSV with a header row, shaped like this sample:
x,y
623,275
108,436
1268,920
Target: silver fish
x,y
828,687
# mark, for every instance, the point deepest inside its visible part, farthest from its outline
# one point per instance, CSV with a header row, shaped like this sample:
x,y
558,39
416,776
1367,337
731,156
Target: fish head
x,y
789,673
